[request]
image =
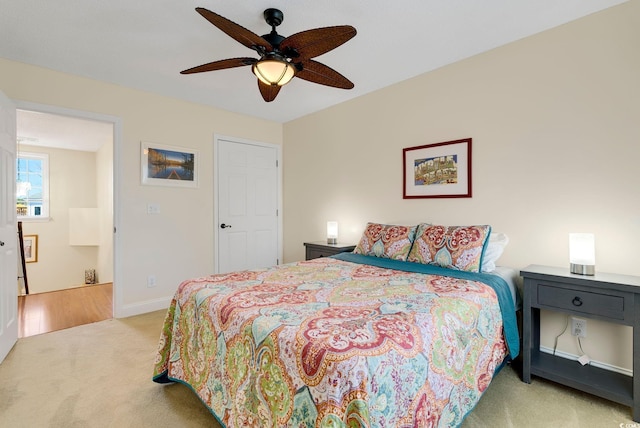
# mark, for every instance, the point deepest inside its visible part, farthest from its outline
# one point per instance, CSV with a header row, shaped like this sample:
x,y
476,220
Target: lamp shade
x,y
332,232
582,253
274,71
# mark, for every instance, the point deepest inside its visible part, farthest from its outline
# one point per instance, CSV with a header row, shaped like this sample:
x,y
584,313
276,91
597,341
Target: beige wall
x,y
72,184
178,243
104,202
556,142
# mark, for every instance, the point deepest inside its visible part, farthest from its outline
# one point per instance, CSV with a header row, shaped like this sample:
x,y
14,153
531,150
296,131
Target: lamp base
x,y
332,241
582,269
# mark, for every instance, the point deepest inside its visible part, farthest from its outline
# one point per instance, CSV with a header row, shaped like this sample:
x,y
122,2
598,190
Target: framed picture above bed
x,y
441,170
162,165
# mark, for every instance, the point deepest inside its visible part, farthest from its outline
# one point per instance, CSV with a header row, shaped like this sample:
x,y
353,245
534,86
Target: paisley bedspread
x,y
332,343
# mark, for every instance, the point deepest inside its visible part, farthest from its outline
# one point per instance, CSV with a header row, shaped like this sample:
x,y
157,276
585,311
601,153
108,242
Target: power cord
x,y
584,358
580,346
555,343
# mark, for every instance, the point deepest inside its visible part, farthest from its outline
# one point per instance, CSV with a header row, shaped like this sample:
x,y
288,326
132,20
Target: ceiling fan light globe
x,y
274,71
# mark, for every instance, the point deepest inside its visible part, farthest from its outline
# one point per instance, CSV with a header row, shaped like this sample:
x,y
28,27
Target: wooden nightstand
x,y
604,296
319,249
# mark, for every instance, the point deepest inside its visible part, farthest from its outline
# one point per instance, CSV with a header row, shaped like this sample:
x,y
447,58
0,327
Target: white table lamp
x,y
332,232
582,253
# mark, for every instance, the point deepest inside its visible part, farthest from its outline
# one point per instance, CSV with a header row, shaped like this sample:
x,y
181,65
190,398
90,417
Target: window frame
x,y
44,157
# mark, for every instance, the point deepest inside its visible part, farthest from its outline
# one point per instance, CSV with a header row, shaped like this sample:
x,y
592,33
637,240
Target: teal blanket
x,y
499,285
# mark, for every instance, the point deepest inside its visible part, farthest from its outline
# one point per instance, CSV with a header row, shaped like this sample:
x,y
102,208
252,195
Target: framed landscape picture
x,y
163,165
441,170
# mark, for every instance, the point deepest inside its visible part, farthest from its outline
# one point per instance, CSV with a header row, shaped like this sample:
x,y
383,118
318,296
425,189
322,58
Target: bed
x,y
374,338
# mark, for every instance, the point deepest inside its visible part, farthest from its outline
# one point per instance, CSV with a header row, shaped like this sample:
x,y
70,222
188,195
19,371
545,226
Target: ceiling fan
x,y
281,58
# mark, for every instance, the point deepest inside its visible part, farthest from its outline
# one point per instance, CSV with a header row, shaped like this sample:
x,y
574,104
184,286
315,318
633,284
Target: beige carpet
x,y
99,375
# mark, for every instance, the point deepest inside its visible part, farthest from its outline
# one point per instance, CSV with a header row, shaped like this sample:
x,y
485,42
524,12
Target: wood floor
x,y
57,310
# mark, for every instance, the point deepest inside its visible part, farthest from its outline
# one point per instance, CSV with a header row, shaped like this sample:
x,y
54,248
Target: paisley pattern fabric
x,y
331,343
388,241
453,247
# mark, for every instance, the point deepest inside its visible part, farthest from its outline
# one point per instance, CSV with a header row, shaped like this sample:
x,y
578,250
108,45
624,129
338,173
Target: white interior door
x,y
247,202
8,229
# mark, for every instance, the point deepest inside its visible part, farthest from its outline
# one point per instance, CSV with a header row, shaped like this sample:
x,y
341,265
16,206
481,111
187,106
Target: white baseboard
x,y
598,364
143,307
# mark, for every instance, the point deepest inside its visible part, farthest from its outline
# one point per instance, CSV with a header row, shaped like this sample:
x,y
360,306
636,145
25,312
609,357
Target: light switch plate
x,y
153,209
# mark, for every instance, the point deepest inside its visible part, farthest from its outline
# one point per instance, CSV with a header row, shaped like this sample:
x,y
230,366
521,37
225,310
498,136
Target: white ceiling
x,y
144,44
52,130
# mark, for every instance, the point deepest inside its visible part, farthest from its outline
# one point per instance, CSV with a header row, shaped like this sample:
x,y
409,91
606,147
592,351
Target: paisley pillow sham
x,y
386,241
454,247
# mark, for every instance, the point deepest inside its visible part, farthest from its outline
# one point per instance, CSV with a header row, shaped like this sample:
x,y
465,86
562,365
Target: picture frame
x,y
441,170
30,243
164,165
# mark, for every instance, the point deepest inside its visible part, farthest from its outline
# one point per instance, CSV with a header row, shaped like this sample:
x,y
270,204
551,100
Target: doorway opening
x,y
71,281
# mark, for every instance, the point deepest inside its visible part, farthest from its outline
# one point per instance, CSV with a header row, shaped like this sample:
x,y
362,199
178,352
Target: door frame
x,y
118,311
216,231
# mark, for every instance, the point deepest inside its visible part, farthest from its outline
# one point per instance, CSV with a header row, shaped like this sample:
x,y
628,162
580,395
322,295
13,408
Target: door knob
x,y
1,243
224,226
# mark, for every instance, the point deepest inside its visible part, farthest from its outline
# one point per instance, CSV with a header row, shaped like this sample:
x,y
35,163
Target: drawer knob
x,y
577,301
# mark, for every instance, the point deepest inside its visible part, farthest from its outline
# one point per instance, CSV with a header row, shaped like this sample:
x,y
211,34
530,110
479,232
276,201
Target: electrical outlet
x,y
151,281
578,327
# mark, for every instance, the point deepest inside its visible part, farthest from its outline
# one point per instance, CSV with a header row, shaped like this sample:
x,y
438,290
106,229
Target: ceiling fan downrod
x,y
273,17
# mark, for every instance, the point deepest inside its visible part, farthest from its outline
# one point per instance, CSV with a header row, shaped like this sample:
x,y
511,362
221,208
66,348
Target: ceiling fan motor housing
x,y
274,39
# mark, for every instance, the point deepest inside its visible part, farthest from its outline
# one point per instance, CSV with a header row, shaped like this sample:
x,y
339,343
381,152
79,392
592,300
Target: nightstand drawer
x,y
583,301
315,250
313,253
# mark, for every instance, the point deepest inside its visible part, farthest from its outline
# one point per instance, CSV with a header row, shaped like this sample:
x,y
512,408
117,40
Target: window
x,y
32,185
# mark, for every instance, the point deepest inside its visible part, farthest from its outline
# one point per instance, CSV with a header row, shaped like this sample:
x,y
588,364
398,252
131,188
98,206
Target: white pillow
x,y
495,247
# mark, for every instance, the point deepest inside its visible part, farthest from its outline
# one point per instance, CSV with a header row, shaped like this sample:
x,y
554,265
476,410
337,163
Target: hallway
x,y
56,310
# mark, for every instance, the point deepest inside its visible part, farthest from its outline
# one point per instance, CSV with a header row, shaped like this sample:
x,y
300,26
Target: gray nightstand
x,y
604,296
315,250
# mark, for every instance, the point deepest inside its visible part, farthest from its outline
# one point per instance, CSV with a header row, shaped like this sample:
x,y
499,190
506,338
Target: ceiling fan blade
x,y
313,43
268,92
221,65
235,31
315,72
